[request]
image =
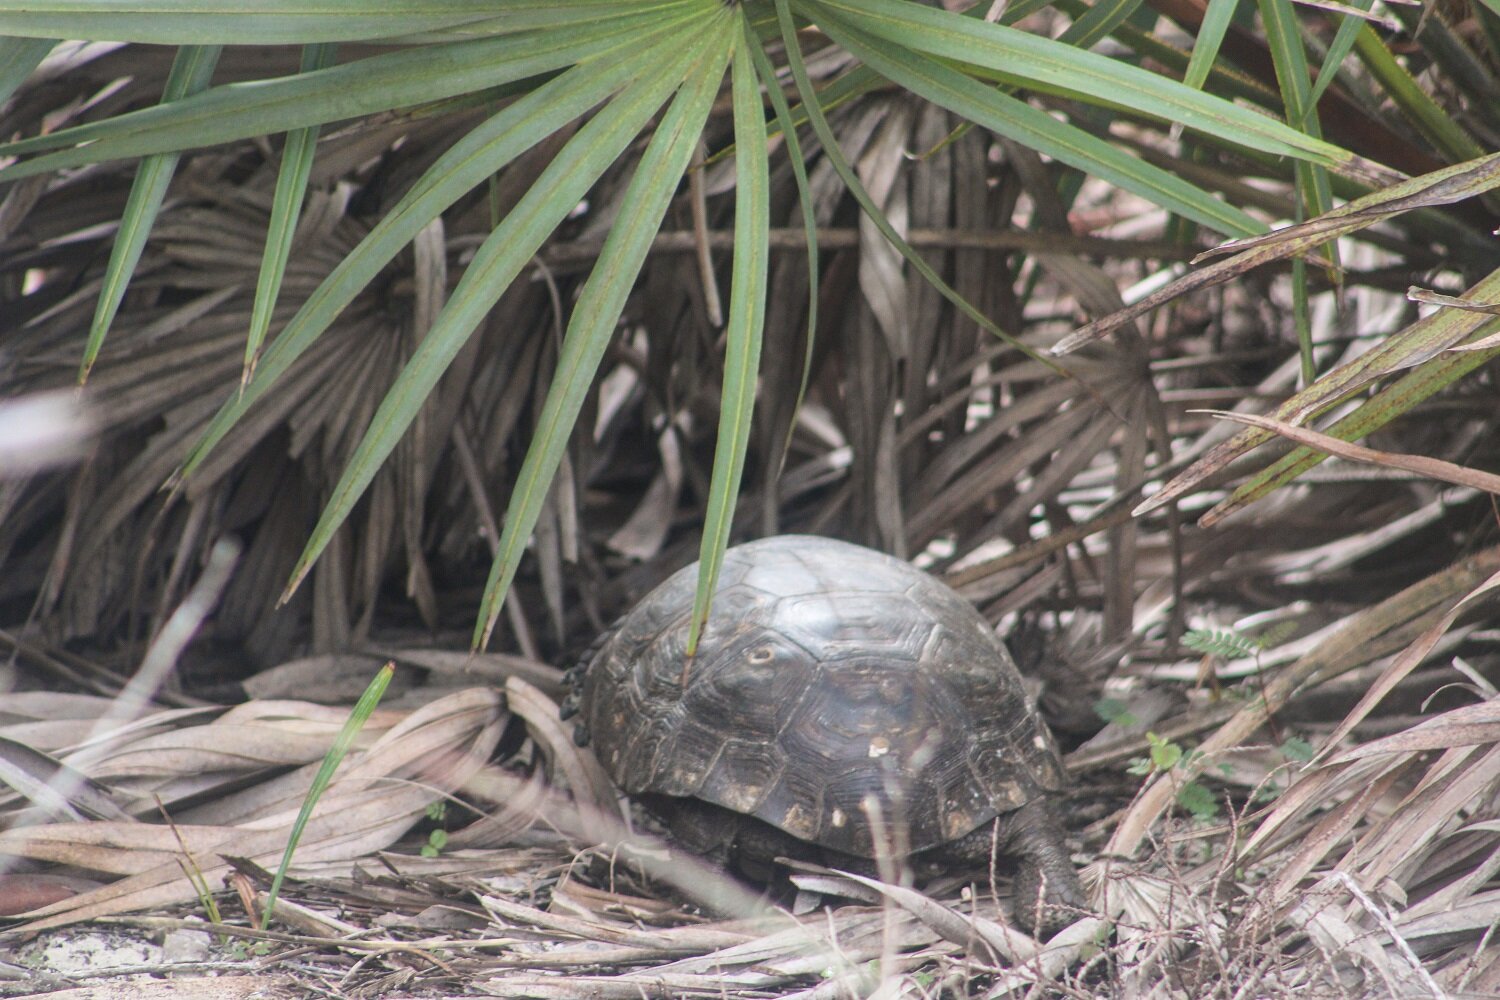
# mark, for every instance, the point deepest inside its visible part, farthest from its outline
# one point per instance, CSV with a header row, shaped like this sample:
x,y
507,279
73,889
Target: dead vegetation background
x,y
1281,715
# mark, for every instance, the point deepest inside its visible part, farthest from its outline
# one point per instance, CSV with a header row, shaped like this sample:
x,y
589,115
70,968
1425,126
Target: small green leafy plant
x,y
437,839
245,950
1231,642
1165,756
1220,642
1295,748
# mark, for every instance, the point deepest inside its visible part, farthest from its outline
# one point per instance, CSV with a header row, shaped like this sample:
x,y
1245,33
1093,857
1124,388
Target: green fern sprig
x,y
1220,642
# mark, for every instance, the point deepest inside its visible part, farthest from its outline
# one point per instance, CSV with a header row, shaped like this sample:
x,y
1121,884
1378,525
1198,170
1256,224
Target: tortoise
x,y
829,678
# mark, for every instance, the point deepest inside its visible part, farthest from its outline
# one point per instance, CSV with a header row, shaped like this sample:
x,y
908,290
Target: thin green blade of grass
x,y
1338,49
747,317
485,150
191,70
372,85
603,296
286,208
511,16
18,57
1224,79
1314,192
788,131
1402,89
1015,119
223,22
361,713
1029,57
1216,20
191,869
1098,23
1284,39
1022,8
298,22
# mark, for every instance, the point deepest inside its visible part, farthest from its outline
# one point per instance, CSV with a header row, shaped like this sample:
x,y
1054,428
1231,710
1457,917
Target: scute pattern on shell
x,y
828,672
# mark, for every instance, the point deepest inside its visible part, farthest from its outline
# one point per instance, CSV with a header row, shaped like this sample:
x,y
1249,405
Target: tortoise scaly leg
x,y
1048,896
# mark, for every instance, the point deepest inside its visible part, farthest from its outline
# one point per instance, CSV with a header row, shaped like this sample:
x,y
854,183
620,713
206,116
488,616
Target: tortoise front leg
x,y
1048,896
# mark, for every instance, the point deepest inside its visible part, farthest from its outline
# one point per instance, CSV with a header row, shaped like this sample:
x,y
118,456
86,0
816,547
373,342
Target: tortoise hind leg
x,y
699,827
1048,895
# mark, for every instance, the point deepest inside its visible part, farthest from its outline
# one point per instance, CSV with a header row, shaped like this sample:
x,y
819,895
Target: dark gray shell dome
x,y
828,673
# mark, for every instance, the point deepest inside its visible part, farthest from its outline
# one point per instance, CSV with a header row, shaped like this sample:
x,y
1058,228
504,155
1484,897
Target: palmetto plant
x,y
352,277
640,95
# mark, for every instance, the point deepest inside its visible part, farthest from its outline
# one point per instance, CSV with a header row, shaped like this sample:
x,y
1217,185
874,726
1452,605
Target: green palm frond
x,y
601,86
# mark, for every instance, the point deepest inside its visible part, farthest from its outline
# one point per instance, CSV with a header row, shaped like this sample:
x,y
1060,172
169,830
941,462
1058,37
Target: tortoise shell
x,y
827,673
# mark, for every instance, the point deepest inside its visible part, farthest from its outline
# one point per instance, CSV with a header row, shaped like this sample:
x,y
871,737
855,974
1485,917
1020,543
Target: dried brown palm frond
x,y
160,380
1326,889
404,764
1207,913
116,549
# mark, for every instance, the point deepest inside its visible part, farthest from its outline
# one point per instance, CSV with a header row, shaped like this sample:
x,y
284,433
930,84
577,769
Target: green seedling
x,y
436,841
1165,756
363,709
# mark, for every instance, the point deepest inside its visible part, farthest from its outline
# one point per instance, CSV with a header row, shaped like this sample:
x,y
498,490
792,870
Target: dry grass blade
x,y
585,778
1432,468
52,786
1396,849
1361,781
773,951
373,801
226,987
514,805
1410,658
1345,648
1005,944
1441,187
1462,727
1419,342
1457,302
353,826
493,668
1334,934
